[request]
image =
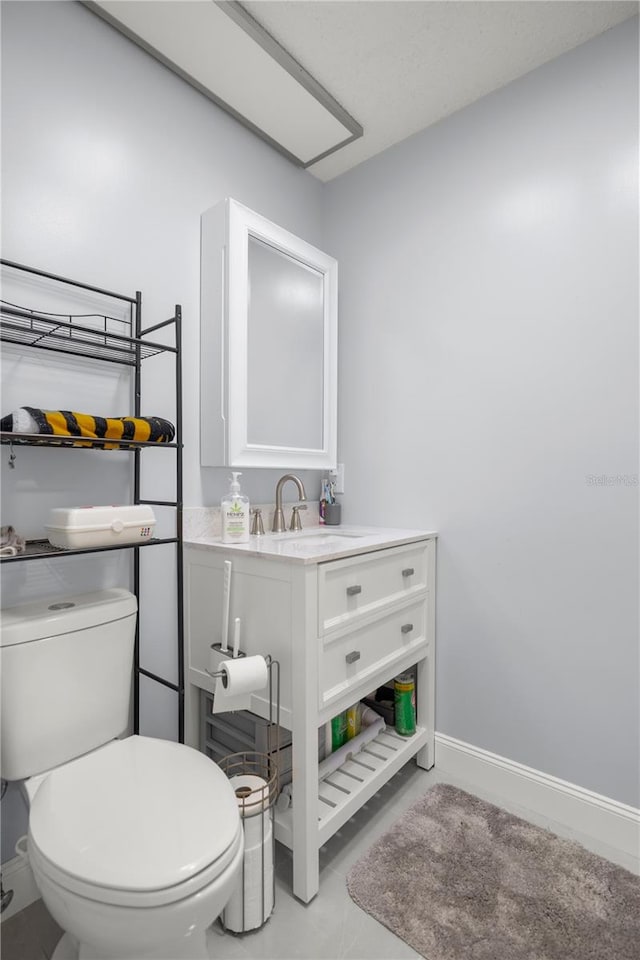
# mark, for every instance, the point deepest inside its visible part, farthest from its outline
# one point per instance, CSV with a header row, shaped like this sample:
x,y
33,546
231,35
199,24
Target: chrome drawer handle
x,y
351,591
406,628
353,656
408,572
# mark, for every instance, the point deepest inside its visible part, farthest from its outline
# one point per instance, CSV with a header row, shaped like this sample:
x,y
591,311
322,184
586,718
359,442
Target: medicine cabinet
x,y
268,374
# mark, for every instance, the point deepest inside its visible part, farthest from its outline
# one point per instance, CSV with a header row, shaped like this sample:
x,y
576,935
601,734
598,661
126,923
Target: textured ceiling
x,y
398,66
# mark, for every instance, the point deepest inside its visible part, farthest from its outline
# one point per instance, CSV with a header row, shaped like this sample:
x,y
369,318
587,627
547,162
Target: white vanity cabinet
x,y
341,620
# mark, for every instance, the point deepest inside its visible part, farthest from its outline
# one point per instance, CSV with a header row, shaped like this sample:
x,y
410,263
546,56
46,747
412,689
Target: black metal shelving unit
x,y
123,342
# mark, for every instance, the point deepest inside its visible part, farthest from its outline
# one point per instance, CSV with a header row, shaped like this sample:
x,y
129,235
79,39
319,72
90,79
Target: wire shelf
x,y
67,335
121,339
43,550
77,443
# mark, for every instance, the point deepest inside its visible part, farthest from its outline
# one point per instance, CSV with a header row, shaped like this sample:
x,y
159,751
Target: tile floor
x,y
331,927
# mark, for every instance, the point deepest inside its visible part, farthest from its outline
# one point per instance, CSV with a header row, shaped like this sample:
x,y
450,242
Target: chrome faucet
x,y
278,516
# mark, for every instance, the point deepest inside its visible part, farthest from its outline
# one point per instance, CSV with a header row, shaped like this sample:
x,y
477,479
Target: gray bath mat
x,y
459,879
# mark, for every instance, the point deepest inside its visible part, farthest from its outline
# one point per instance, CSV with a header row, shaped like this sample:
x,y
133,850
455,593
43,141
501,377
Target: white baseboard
x,y
612,824
17,876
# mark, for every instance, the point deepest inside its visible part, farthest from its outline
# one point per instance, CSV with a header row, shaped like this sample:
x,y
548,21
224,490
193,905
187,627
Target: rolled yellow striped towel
x,y
68,423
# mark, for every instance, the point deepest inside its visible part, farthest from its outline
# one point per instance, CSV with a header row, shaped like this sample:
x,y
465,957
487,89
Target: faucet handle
x,y
257,526
295,516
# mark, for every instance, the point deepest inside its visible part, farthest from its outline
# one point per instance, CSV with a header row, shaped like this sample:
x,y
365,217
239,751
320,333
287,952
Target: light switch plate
x,y
337,476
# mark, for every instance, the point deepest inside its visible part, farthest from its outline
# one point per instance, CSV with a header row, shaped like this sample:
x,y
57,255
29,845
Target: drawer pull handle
x,y
408,572
406,628
351,591
353,656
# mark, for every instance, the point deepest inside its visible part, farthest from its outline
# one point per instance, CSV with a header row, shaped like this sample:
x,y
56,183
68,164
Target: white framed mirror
x,y
268,368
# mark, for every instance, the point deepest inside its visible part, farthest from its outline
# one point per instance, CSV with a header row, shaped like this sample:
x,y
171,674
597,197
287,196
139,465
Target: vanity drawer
x,y
350,660
358,586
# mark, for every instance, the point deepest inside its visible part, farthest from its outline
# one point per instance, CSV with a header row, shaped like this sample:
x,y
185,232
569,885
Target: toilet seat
x,y
129,898
139,822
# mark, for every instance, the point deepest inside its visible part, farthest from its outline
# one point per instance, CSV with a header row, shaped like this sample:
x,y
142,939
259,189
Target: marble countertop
x,y
316,544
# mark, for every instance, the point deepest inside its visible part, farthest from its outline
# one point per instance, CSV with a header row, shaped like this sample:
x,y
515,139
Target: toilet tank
x,y
66,675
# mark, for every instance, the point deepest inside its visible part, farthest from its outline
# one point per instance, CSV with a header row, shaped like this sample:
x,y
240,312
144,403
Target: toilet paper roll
x,y
252,901
251,912
252,794
369,716
258,831
242,676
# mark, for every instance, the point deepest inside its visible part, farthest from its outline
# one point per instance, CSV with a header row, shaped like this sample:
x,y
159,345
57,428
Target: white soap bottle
x,y
234,514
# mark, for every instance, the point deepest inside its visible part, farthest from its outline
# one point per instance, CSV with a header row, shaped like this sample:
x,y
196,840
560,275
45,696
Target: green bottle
x,y
405,702
339,730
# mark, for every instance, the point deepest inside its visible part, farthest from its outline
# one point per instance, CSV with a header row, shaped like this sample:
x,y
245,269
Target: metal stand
x,y
255,781
121,340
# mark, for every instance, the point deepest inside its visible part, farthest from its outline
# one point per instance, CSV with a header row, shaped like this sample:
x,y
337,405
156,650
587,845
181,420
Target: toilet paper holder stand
x,y
218,655
253,913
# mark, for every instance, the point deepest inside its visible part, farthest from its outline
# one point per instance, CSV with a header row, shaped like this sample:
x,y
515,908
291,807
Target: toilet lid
x,y
139,814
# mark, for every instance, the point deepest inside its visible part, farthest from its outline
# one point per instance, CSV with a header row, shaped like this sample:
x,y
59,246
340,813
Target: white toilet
x,y
135,844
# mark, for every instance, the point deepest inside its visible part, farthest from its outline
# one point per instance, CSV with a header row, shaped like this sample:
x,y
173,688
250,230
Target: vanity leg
x,y
425,757
304,697
306,858
304,798
426,672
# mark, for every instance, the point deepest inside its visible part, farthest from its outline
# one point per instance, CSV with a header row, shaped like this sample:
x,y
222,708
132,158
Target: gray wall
x,y
108,160
488,370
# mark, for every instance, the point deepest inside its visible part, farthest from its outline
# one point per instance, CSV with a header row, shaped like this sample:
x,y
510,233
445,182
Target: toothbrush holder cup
x,y
333,514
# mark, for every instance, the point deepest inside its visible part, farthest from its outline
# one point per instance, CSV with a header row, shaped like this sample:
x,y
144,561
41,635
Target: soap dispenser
x,y
234,514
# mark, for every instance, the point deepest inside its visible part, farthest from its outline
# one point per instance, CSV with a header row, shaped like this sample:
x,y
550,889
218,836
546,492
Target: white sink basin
x,y
311,540
315,535
324,535
311,544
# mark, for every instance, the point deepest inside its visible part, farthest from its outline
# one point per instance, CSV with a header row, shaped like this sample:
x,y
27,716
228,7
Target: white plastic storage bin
x,y
75,527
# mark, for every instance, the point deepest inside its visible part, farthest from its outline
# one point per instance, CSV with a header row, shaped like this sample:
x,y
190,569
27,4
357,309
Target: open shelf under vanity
x,y
344,791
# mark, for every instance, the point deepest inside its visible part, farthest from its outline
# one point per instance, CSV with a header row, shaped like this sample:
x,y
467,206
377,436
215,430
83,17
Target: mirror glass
x,y
285,349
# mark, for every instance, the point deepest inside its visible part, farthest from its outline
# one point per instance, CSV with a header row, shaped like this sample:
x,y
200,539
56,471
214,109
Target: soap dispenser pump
x,y
235,514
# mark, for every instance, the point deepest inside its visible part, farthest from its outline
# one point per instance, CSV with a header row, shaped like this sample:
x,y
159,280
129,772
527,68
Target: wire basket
x,y
254,778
